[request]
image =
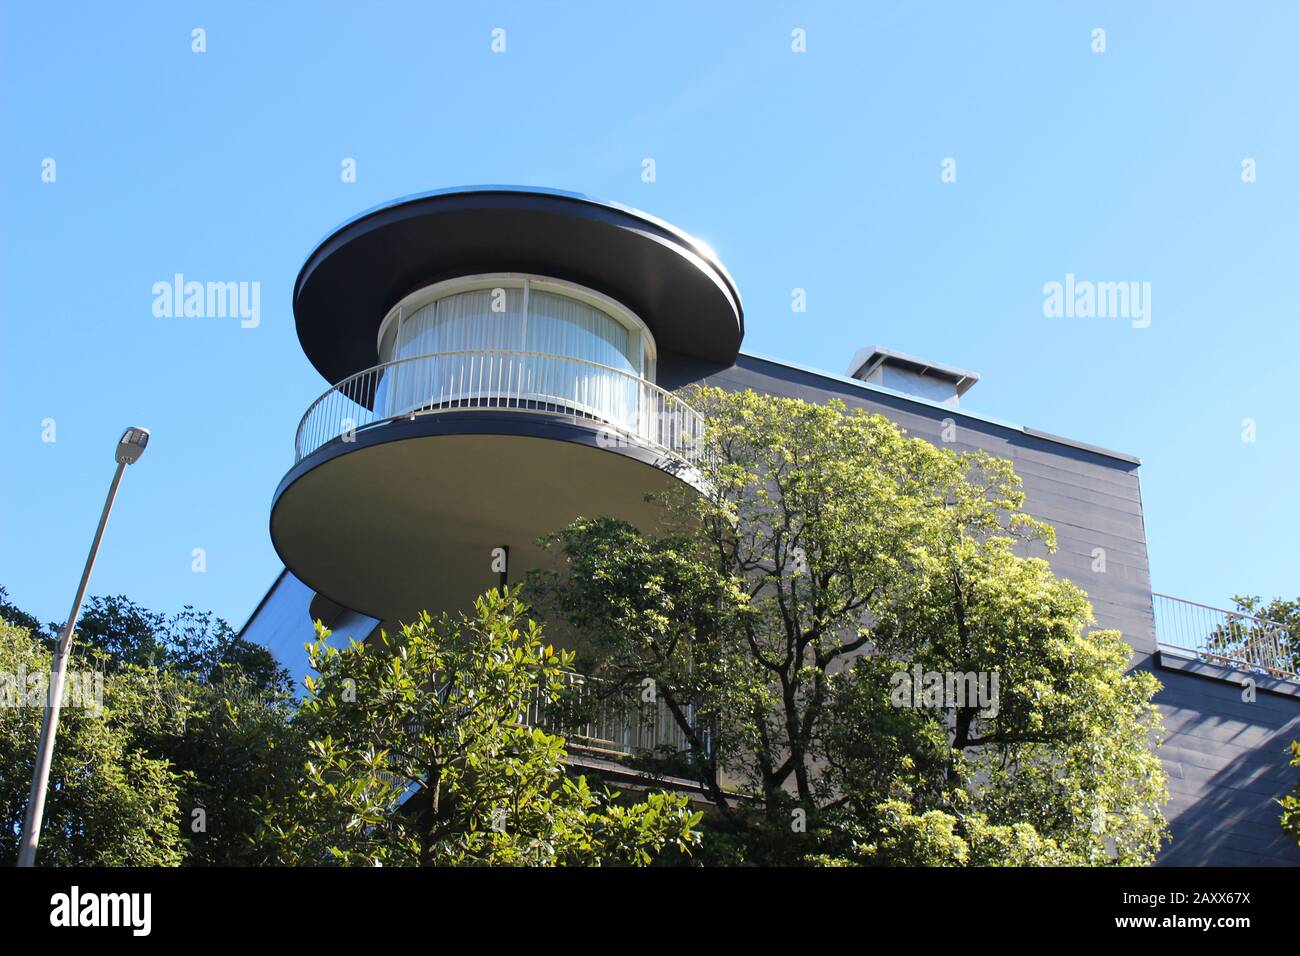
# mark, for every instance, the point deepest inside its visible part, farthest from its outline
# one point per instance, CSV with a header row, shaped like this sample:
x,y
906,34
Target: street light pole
x,y
129,449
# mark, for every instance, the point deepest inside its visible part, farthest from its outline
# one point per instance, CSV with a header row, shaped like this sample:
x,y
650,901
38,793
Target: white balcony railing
x,y
621,404
595,715
1227,638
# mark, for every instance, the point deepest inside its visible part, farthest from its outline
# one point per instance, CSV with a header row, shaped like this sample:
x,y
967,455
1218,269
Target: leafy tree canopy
x,y
194,643
789,612
1291,802
196,729
421,753
109,802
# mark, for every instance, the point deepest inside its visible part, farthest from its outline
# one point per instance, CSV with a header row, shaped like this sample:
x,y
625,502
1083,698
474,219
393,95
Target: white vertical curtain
x,y
554,325
562,326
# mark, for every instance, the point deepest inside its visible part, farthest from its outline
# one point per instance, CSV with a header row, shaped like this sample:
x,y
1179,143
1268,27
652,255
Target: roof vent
x,y
901,372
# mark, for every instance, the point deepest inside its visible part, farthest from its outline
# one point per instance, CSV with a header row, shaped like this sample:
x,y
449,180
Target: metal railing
x,y
1228,638
595,715
631,408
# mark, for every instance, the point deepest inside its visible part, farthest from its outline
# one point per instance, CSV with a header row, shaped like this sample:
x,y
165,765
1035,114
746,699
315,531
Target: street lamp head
x,y
131,446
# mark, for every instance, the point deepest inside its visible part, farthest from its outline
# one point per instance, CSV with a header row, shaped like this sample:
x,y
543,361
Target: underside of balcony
x,y
406,515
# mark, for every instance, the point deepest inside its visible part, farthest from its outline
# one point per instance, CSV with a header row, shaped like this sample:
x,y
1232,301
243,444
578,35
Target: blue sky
x,y
817,170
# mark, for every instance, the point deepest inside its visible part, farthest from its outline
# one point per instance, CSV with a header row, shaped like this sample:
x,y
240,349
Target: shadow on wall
x,y
1228,765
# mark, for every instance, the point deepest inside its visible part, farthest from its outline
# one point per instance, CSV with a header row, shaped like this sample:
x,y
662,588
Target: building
x,y
503,359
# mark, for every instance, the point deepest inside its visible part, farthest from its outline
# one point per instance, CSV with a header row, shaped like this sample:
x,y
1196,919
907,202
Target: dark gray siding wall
x,y
1227,763
1226,759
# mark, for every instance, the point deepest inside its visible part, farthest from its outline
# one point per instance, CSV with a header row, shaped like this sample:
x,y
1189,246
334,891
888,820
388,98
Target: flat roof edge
x,y
1075,443
988,419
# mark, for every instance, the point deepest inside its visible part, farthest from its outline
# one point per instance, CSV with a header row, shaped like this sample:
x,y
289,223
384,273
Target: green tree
x,y
217,716
1291,802
831,553
230,736
421,753
1279,610
109,803
646,610
235,748
197,644
1268,639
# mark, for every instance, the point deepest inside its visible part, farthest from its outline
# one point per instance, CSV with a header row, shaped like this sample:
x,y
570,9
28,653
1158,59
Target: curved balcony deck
x,y
410,475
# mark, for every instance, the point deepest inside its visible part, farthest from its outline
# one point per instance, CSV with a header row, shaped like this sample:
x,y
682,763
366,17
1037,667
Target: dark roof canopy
x,y
674,282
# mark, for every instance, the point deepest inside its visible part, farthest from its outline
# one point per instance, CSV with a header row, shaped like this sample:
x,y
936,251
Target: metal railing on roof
x,y
596,715
1227,638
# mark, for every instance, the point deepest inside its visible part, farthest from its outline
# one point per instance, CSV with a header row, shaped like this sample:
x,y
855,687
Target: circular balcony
x,y
409,475
622,406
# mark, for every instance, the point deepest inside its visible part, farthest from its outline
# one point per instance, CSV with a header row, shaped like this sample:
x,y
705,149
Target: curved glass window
x,y
561,326
522,345
495,319
465,321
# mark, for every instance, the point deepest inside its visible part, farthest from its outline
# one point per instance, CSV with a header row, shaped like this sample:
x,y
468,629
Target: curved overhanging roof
x,y
672,281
